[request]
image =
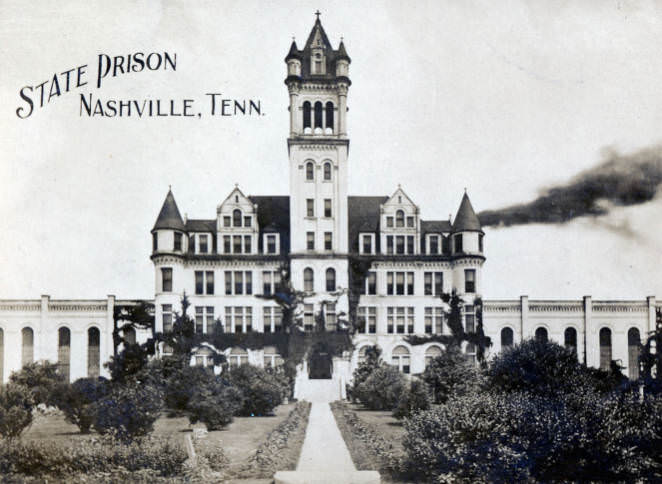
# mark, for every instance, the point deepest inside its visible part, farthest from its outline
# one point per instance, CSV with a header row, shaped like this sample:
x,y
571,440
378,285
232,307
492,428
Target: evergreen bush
x,y
16,405
261,392
382,389
214,404
129,410
413,399
77,400
450,374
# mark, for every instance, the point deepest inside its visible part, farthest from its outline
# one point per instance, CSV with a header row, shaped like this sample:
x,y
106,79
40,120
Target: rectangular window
x,y
371,283
410,244
367,244
434,244
227,244
410,283
239,318
266,283
238,282
310,207
247,221
434,283
155,242
272,319
367,319
236,244
166,312
400,244
389,283
202,243
308,317
400,283
390,320
389,244
389,222
328,241
457,240
227,221
404,283
228,282
469,280
166,279
271,244
330,320
248,276
438,283
210,282
199,319
445,245
199,282
247,244
410,320
327,207
434,318
469,322
310,240
400,319
178,241
427,283
410,221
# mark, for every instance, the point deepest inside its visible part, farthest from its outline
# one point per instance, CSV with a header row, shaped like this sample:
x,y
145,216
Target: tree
x,y
16,404
450,374
382,389
135,315
650,359
371,362
413,399
214,404
77,401
41,378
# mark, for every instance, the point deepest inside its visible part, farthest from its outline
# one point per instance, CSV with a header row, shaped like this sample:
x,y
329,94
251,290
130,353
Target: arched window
x,y
130,336
570,339
93,352
27,346
400,218
2,355
400,358
329,117
272,358
236,218
318,115
330,279
431,353
605,348
327,171
308,279
238,356
64,352
310,171
507,337
634,350
306,115
541,335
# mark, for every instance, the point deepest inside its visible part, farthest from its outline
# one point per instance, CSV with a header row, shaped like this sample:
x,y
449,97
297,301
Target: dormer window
x,y
367,243
433,244
203,245
271,242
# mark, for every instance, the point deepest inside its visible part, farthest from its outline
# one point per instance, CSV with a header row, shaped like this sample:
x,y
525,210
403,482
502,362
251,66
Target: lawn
x,y
239,440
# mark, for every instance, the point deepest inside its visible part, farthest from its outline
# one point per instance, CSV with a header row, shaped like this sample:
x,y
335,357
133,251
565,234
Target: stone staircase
x,y
318,390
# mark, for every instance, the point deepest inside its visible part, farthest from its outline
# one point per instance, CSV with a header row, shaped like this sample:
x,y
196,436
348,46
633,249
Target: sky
x,y
505,99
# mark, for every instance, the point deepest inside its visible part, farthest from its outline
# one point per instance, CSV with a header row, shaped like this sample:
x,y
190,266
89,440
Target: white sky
x,y
504,98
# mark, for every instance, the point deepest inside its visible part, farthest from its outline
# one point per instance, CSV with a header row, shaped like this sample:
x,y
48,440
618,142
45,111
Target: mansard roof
x,y
364,215
169,216
466,219
273,215
199,225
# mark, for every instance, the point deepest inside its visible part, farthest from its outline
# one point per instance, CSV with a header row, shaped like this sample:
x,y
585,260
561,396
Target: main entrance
x,y
320,363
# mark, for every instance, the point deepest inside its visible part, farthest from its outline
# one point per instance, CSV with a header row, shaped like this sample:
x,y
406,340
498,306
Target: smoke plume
x,y
620,180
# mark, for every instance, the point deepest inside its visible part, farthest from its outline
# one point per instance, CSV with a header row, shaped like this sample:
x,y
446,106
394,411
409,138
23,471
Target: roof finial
x,y
341,38
318,13
399,186
169,188
236,185
465,189
293,38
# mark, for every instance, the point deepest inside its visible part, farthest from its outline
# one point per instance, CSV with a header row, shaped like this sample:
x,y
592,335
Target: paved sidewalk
x,y
324,448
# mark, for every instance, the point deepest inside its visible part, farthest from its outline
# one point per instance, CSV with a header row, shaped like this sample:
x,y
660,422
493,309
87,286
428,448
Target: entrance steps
x,y
318,390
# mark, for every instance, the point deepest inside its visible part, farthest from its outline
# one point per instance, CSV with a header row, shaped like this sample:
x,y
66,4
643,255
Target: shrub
x,y
129,362
518,436
281,378
182,383
129,411
371,362
76,400
16,404
214,404
382,389
412,400
450,373
42,378
261,393
92,456
545,368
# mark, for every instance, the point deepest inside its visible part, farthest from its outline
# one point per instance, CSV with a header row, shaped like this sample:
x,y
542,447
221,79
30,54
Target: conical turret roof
x,y
293,53
169,217
342,53
466,218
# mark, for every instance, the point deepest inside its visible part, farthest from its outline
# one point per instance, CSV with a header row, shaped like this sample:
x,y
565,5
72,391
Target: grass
x,y
373,438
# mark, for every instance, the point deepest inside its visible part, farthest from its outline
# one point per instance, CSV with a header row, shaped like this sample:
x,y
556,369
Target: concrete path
x,y
324,455
324,448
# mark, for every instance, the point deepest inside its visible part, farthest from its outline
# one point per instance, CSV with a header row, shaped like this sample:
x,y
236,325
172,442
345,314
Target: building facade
x,y
228,263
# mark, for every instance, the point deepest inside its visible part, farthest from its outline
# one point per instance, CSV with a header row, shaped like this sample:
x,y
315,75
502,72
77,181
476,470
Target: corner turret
x,y
169,228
